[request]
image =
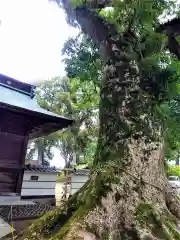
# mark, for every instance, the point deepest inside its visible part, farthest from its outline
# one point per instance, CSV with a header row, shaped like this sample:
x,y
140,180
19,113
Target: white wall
x,y
42,176
77,182
45,185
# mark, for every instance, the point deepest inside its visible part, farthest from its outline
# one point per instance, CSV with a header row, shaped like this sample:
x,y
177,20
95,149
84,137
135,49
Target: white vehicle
x,y
175,181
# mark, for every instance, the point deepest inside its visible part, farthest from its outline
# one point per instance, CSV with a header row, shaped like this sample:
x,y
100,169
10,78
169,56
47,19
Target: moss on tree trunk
x,y
126,195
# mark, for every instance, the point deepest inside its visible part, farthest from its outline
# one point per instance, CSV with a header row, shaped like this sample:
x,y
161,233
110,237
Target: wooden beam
x,y
21,162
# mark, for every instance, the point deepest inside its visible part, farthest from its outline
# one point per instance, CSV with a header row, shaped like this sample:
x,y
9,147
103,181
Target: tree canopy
x,y
72,98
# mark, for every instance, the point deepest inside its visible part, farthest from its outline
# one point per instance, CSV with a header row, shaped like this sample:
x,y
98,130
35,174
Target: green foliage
x,y
168,109
41,149
172,131
90,151
143,14
174,171
82,60
83,65
79,101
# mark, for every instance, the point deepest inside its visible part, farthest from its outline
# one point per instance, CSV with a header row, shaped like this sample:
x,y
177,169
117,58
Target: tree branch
x,y
93,4
94,25
91,23
166,99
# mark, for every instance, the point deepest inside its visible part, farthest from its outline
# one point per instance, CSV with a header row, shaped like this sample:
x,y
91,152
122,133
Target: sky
x,y
32,34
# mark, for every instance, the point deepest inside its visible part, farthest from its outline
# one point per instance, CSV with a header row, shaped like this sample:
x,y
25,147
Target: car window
x,y
173,178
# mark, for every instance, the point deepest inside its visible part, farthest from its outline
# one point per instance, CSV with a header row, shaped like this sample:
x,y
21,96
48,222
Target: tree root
x,y
110,208
48,224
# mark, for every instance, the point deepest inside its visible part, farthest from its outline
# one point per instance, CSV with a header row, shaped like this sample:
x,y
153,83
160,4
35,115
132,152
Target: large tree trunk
x,y
127,196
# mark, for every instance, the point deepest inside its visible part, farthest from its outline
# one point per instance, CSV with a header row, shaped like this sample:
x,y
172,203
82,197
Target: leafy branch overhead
x,y
144,40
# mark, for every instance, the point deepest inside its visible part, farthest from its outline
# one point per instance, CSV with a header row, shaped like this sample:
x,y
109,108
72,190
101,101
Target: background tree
x,y
71,98
127,195
40,149
82,60
79,101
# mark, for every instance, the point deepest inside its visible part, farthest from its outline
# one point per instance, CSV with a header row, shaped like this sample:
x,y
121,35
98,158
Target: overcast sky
x,y
32,33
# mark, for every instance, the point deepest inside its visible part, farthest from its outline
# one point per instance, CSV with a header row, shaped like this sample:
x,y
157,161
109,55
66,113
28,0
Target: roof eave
x,y
45,129
54,123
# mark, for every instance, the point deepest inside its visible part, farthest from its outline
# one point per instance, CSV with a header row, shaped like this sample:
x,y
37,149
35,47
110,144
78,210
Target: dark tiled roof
x,y
16,85
13,96
82,172
24,211
34,168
